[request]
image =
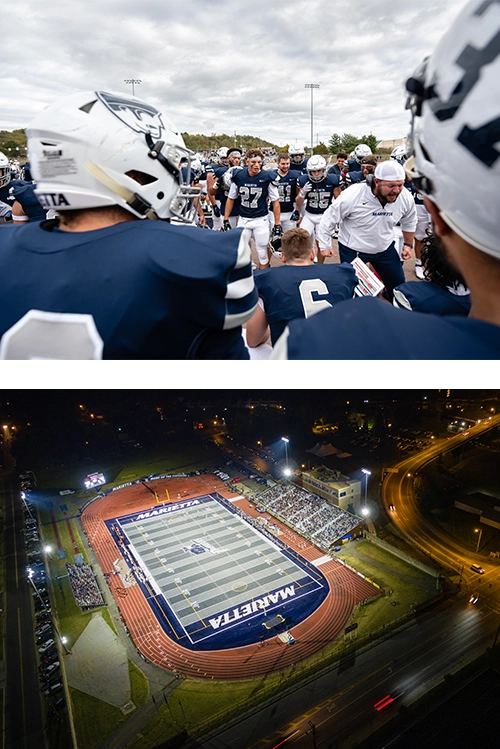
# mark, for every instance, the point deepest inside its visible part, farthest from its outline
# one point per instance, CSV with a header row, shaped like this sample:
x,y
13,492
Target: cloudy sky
x,y
227,65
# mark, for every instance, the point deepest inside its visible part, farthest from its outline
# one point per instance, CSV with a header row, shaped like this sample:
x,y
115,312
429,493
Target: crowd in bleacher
x,y
309,514
84,586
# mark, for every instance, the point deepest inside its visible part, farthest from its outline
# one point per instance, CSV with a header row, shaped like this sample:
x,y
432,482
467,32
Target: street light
x,y
367,473
287,470
480,531
312,86
133,81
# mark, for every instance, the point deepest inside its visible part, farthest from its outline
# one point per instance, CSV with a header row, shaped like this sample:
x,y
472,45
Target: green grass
x,y
382,556
178,457
138,685
94,719
197,704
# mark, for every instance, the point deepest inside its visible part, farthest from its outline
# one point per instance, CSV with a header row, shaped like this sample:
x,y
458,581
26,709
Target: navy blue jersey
x,y
417,197
287,188
136,290
253,191
429,297
294,291
24,193
222,194
319,198
302,167
353,165
368,328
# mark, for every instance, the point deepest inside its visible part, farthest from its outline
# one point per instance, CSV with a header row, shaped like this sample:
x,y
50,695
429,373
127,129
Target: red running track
x,y
323,626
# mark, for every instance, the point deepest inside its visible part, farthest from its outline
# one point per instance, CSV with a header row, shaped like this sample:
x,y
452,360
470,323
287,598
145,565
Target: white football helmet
x,y
4,170
296,153
454,98
399,154
362,150
96,148
227,177
222,155
314,164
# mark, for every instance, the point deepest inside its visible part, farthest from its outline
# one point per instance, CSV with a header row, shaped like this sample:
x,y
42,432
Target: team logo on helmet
x,y
139,116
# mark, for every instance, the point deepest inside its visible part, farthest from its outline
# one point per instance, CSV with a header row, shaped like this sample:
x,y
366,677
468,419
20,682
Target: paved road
x,y
24,727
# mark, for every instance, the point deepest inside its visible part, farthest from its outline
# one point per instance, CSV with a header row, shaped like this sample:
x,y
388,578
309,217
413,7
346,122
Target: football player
x,y
221,182
454,132
318,189
255,187
287,189
20,195
111,277
298,161
400,155
297,289
444,293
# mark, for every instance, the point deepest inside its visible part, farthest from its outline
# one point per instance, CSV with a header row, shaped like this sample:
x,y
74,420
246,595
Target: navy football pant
x,y
386,263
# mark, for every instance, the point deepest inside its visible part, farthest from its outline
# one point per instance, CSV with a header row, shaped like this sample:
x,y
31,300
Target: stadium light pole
x,y
287,468
312,86
133,81
480,531
367,473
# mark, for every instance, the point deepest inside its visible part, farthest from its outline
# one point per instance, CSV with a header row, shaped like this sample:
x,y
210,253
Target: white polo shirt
x,y
366,226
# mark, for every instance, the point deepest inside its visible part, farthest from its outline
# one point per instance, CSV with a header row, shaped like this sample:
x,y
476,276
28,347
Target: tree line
x,y
13,143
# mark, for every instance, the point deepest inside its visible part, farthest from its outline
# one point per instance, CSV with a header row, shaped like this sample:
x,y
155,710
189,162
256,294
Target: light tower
x,y
133,81
312,86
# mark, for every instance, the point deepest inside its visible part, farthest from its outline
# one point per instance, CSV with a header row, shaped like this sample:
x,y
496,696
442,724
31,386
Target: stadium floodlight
x,y
312,86
287,471
367,473
134,82
365,511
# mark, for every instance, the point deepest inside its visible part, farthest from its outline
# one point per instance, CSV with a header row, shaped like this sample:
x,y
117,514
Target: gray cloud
x,y
221,66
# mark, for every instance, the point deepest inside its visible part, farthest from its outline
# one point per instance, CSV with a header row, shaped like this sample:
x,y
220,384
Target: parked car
x,y
46,647
50,668
53,688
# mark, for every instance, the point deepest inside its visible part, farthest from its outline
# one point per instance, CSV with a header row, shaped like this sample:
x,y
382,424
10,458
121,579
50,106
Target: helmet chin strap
x,y
133,200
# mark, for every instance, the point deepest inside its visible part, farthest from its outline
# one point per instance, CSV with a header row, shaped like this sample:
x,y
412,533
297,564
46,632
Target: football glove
x,y
295,215
226,226
216,211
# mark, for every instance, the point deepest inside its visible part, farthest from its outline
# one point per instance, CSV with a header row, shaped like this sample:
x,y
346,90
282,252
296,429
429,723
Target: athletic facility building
x,y
206,587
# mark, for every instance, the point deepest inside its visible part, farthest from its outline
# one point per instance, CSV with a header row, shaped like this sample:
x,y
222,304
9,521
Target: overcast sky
x,y
227,65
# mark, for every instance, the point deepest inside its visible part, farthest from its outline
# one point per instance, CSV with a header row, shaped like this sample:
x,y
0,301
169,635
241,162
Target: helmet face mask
x,y
454,104
399,154
222,155
316,164
95,149
360,151
297,154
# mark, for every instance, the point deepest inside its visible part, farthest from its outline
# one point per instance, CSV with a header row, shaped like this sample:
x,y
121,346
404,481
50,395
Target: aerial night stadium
x,y
249,569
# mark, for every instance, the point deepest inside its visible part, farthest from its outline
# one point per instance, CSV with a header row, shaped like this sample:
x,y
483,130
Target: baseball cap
x,y
390,171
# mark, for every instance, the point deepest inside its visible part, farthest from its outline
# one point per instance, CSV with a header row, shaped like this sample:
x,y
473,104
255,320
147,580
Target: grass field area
x,y
138,684
177,457
385,558
197,704
95,719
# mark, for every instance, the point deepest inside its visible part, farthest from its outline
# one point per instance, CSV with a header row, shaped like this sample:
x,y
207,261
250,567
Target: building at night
x,y
333,486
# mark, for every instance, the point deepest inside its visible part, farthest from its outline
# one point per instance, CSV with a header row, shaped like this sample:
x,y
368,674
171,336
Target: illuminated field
x,y
209,574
